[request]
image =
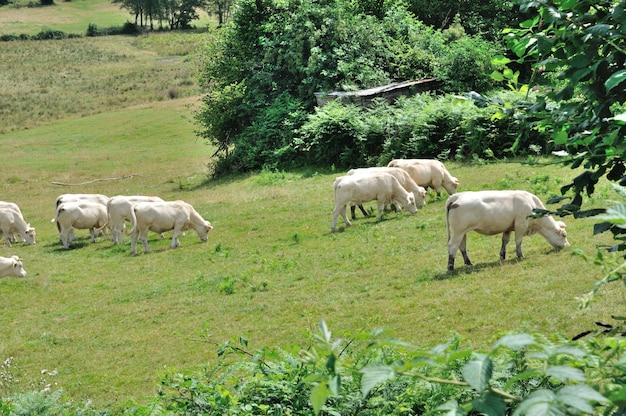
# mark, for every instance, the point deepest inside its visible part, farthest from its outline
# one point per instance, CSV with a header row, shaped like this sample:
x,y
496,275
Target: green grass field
x,y
72,17
110,323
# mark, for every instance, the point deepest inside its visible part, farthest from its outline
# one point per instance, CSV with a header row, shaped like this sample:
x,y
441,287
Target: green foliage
x,y
581,44
460,127
486,18
261,72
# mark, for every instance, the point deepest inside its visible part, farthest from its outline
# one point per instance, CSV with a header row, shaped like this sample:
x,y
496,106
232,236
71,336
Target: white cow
x,y
80,215
495,212
12,222
401,175
99,198
119,209
11,266
175,216
382,187
428,173
11,206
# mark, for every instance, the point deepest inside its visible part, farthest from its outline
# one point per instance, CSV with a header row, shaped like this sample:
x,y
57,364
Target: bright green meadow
x,y
110,323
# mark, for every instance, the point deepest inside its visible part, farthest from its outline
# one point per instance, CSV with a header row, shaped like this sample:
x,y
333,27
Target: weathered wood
x,y
389,92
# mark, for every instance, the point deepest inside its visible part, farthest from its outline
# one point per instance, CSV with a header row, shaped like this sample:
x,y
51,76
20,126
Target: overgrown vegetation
x,y
262,70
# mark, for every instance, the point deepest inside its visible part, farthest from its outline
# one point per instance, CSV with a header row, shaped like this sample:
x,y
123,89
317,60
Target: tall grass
x,y
49,80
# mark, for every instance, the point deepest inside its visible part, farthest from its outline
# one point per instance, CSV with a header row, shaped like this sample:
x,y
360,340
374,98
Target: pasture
x,y
109,324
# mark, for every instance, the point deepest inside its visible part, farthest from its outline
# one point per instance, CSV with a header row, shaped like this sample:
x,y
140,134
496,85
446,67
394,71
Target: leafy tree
x,y
221,8
577,50
486,18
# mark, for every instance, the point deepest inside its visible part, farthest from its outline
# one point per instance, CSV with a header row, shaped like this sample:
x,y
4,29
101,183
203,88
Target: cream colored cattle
x,y
80,215
99,198
158,217
11,266
428,173
495,212
12,222
119,209
12,206
381,187
401,175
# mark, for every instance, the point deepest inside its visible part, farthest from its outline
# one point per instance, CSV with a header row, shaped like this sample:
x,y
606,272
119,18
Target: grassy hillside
x,y
110,323
68,16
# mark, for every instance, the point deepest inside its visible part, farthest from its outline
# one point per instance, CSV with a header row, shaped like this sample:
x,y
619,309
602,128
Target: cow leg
x,y
363,211
339,210
463,249
175,243
65,238
92,232
506,236
133,242
144,241
381,207
518,244
453,245
353,211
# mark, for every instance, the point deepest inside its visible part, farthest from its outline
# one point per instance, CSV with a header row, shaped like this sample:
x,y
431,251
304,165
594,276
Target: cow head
x,y
29,235
203,231
17,268
409,204
558,236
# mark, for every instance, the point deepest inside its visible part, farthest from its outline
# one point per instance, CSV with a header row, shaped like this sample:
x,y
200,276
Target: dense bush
x,y
346,135
272,50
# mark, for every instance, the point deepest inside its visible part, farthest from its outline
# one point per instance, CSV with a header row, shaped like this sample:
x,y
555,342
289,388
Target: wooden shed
x,y
389,92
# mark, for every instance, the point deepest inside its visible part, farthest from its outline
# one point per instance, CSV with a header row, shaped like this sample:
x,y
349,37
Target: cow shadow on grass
x,y
475,268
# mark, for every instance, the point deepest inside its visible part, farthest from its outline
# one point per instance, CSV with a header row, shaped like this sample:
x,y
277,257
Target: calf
x,y
159,217
11,266
382,187
80,215
429,173
495,212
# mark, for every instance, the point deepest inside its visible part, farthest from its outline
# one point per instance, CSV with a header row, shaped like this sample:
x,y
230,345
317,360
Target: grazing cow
x,y
428,173
119,209
382,187
80,215
401,175
12,222
495,212
11,206
102,199
159,217
11,266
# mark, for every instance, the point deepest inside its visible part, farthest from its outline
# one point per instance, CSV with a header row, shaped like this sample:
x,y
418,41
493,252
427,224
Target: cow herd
x,y
404,182
98,213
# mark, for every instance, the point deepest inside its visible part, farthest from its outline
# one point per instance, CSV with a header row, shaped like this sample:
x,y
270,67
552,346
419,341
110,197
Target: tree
x,y
221,8
274,55
577,51
486,18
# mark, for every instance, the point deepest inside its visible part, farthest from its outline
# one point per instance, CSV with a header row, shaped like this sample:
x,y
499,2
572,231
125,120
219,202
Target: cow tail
x,y
449,205
133,221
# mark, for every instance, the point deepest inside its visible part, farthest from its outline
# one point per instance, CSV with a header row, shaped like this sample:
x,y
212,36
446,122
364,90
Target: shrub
x,y
92,30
